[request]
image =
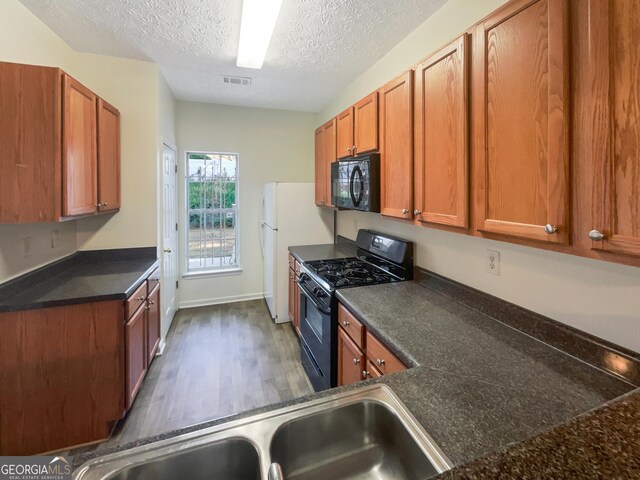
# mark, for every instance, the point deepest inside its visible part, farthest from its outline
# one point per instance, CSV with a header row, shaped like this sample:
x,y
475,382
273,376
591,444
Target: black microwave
x,y
355,183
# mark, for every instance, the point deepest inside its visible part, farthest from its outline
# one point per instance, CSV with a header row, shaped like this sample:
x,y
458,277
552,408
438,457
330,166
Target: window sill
x,y
212,273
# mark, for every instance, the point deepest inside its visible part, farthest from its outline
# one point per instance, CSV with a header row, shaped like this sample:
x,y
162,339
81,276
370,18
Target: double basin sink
x,y
368,434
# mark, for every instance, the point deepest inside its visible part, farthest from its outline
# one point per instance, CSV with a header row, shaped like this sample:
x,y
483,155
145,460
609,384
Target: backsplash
x,y
25,247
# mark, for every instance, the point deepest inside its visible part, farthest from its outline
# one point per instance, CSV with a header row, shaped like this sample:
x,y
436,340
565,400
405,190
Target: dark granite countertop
x,y
478,386
84,277
307,253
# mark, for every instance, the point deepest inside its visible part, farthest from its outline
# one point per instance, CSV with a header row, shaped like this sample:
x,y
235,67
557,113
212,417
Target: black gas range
x,y
380,258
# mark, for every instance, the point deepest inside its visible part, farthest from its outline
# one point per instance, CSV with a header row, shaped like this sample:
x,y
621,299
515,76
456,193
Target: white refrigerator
x,y
289,217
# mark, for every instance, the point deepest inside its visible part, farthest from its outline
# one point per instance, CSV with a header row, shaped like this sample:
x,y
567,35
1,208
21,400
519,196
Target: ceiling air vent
x,y
241,81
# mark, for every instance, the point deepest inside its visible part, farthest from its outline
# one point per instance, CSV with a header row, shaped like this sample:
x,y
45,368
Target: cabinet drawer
x,y
296,267
135,300
351,325
371,371
153,280
381,357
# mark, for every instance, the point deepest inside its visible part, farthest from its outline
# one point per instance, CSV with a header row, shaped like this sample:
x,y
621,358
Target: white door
x,y
169,236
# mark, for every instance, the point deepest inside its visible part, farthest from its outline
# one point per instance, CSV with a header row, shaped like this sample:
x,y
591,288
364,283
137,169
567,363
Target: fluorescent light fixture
x,y
258,21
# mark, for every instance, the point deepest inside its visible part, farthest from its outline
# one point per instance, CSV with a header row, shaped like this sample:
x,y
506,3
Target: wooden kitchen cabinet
x,y
294,294
108,157
344,134
357,128
135,334
614,71
521,120
351,359
50,147
396,147
325,153
441,148
380,356
153,324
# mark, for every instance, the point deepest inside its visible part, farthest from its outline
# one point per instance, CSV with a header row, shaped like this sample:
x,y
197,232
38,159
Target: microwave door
x,y
356,186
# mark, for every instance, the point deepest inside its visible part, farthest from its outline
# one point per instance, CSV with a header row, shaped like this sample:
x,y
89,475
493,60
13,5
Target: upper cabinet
x,y
108,157
357,128
442,136
615,76
521,119
79,149
396,147
59,148
325,153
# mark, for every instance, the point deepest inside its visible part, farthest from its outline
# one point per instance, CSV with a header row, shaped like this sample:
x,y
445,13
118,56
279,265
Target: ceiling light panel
x,y
258,21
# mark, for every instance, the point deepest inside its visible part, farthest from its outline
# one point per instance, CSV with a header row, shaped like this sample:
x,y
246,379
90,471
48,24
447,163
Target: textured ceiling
x,y
318,46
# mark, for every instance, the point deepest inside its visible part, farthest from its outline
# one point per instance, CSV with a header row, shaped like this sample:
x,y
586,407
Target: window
x,y
212,211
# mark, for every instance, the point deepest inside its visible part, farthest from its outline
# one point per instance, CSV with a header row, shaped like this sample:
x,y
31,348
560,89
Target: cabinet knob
x,y
365,374
152,302
353,149
550,229
348,149
321,202
104,204
141,299
380,362
356,361
345,323
417,212
596,235
405,211
98,205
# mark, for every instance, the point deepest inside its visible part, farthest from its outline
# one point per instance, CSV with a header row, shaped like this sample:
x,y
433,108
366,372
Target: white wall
x,y
273,145
598,297
132,86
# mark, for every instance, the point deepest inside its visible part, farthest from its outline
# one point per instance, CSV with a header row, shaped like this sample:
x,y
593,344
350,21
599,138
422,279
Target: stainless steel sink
x,y
367,433
362,440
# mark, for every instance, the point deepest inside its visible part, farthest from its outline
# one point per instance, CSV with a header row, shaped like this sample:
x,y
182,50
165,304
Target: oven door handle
x,y
310,297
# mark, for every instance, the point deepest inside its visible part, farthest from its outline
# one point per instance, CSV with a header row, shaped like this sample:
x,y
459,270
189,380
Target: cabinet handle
x,y
596,235
345,323
380,362
405,211
417,212
356,361
365,374
550,229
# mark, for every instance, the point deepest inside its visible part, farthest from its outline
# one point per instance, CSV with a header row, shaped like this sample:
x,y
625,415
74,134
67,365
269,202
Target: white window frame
x,y
213,271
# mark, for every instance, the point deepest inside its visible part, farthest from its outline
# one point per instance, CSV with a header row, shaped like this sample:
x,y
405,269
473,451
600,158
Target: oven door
x,y
315,332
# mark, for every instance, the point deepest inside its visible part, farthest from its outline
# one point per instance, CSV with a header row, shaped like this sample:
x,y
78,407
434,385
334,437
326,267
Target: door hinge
x,y
176,168
177,284
176,226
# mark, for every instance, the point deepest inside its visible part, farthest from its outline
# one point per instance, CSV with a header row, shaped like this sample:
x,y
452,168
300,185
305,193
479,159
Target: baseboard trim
x,y
221,300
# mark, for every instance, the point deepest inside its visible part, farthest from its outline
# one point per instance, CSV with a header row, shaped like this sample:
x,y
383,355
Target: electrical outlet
x,y
492,262
26,247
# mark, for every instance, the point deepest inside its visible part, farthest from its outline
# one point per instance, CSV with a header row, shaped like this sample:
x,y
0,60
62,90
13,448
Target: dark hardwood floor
x,y
218,360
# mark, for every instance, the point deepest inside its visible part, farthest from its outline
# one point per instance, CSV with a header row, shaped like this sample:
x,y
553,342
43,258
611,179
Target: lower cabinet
x,y
360,354
142,337
135,335
294,294
350,359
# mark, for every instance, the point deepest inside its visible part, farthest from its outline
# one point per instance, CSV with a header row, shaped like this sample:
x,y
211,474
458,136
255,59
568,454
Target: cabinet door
x,y
292,302
521,121
396,147
108,157
320,171
366,124
344,134
441,136
329,149
153,324
79,152
615,27
135,339
350,360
